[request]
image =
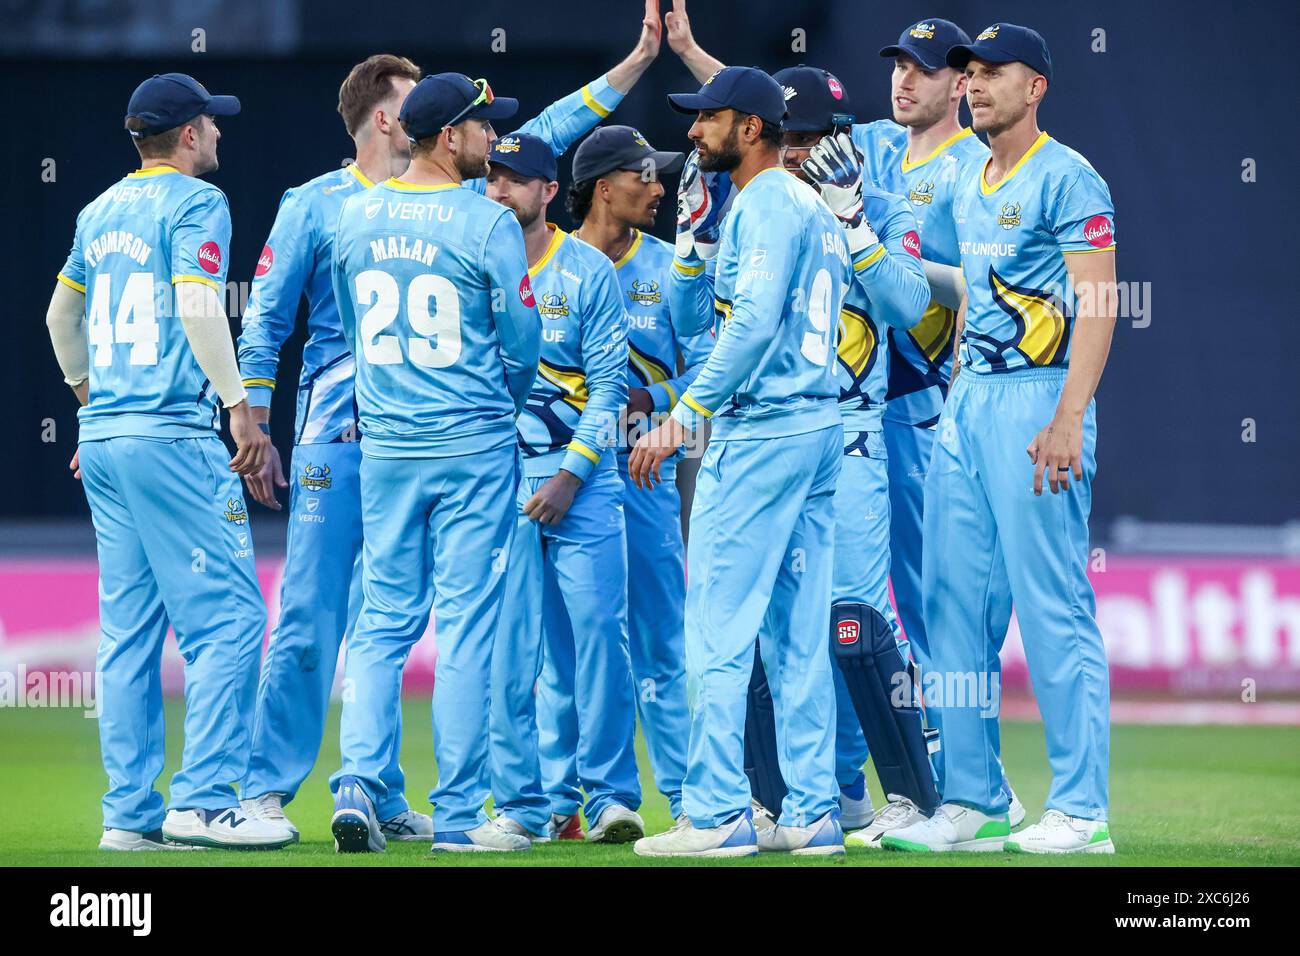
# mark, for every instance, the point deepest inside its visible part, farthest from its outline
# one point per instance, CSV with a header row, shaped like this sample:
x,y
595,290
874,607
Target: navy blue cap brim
x,y
962,54
503,107
693,102
924,57
222,106
668,162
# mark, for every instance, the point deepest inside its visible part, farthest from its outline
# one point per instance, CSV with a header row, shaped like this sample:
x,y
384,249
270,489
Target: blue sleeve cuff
x,y
579,460
663,395
259,396
689,414
601,98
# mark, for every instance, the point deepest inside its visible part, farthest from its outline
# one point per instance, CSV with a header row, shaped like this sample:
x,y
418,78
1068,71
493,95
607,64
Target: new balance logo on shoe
x,y
231,818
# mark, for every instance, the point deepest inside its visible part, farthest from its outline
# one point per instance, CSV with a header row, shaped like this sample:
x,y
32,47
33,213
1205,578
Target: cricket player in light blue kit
x,y
616,192
566,580
1035,225
762,526
433,295
922,154
139,328
320,595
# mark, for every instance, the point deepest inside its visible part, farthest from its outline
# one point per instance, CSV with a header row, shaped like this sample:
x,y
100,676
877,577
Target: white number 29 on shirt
x,y
432,309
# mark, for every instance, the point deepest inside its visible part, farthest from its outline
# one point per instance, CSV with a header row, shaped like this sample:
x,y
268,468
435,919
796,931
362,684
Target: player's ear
x,y
548,193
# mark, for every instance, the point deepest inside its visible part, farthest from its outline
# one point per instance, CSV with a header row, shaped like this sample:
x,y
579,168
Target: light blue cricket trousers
x,y
563,712
175,549
436,531
320,596
761,556
985,531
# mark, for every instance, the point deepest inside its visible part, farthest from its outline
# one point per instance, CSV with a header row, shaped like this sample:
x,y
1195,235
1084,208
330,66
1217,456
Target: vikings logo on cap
x,y
922,31
990,33
1010,215
508,144
639,139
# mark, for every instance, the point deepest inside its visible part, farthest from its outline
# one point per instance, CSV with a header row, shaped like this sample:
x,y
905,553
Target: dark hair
x,y
771,133
159,146
368,84
578,201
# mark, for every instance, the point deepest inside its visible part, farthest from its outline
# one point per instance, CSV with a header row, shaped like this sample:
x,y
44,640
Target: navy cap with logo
x,y
620,147
815,99
928,42
167,100
525,154
446,99
745,89
1005,43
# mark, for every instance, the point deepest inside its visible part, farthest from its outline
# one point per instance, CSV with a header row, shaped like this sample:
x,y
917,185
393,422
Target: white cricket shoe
x,y
407,826
855,812
130,840
355,827
1059,833
953,828
1015,809
229,829
899,812
763,819
269,807
489,837
823,837
736,838
511,825
616,824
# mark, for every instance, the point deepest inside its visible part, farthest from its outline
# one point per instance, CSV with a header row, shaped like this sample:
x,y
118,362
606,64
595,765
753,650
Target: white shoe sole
x,y
831,850
476,848
1106,846
217,843
144,846
716,852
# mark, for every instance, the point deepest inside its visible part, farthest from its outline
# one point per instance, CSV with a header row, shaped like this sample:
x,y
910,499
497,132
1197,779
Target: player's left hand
x,y
75,465
263,482
551,502
652,450
652,29
1058,451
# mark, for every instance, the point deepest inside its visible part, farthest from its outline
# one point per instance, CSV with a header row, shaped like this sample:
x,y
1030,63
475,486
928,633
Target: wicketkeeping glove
x,y
703,200
835,167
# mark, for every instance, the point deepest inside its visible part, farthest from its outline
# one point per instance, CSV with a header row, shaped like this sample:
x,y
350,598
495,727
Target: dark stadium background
x,y
1183,94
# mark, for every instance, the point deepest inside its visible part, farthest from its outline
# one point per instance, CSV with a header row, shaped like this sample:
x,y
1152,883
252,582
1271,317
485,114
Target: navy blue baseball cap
x,y
525,154
167,100
745,89
928,42
1005,43
445,99
815,99
620,147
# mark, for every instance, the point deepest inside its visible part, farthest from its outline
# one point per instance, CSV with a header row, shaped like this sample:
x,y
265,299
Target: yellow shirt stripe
x,y
202,280
687,270
593,104
873,257
74,286
696,407
584,451
263,382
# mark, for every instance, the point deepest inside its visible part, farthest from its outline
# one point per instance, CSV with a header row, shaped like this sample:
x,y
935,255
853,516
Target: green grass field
x,y
1180,796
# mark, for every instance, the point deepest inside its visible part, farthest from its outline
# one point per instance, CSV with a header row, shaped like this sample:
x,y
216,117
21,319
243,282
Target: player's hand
x,y
551,502
1057,451
75,465
835,167
680,39
270,476
251,443
647,47
703,200
652,450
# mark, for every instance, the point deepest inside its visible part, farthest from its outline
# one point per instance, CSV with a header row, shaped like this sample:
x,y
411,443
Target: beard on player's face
x,y
726,157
